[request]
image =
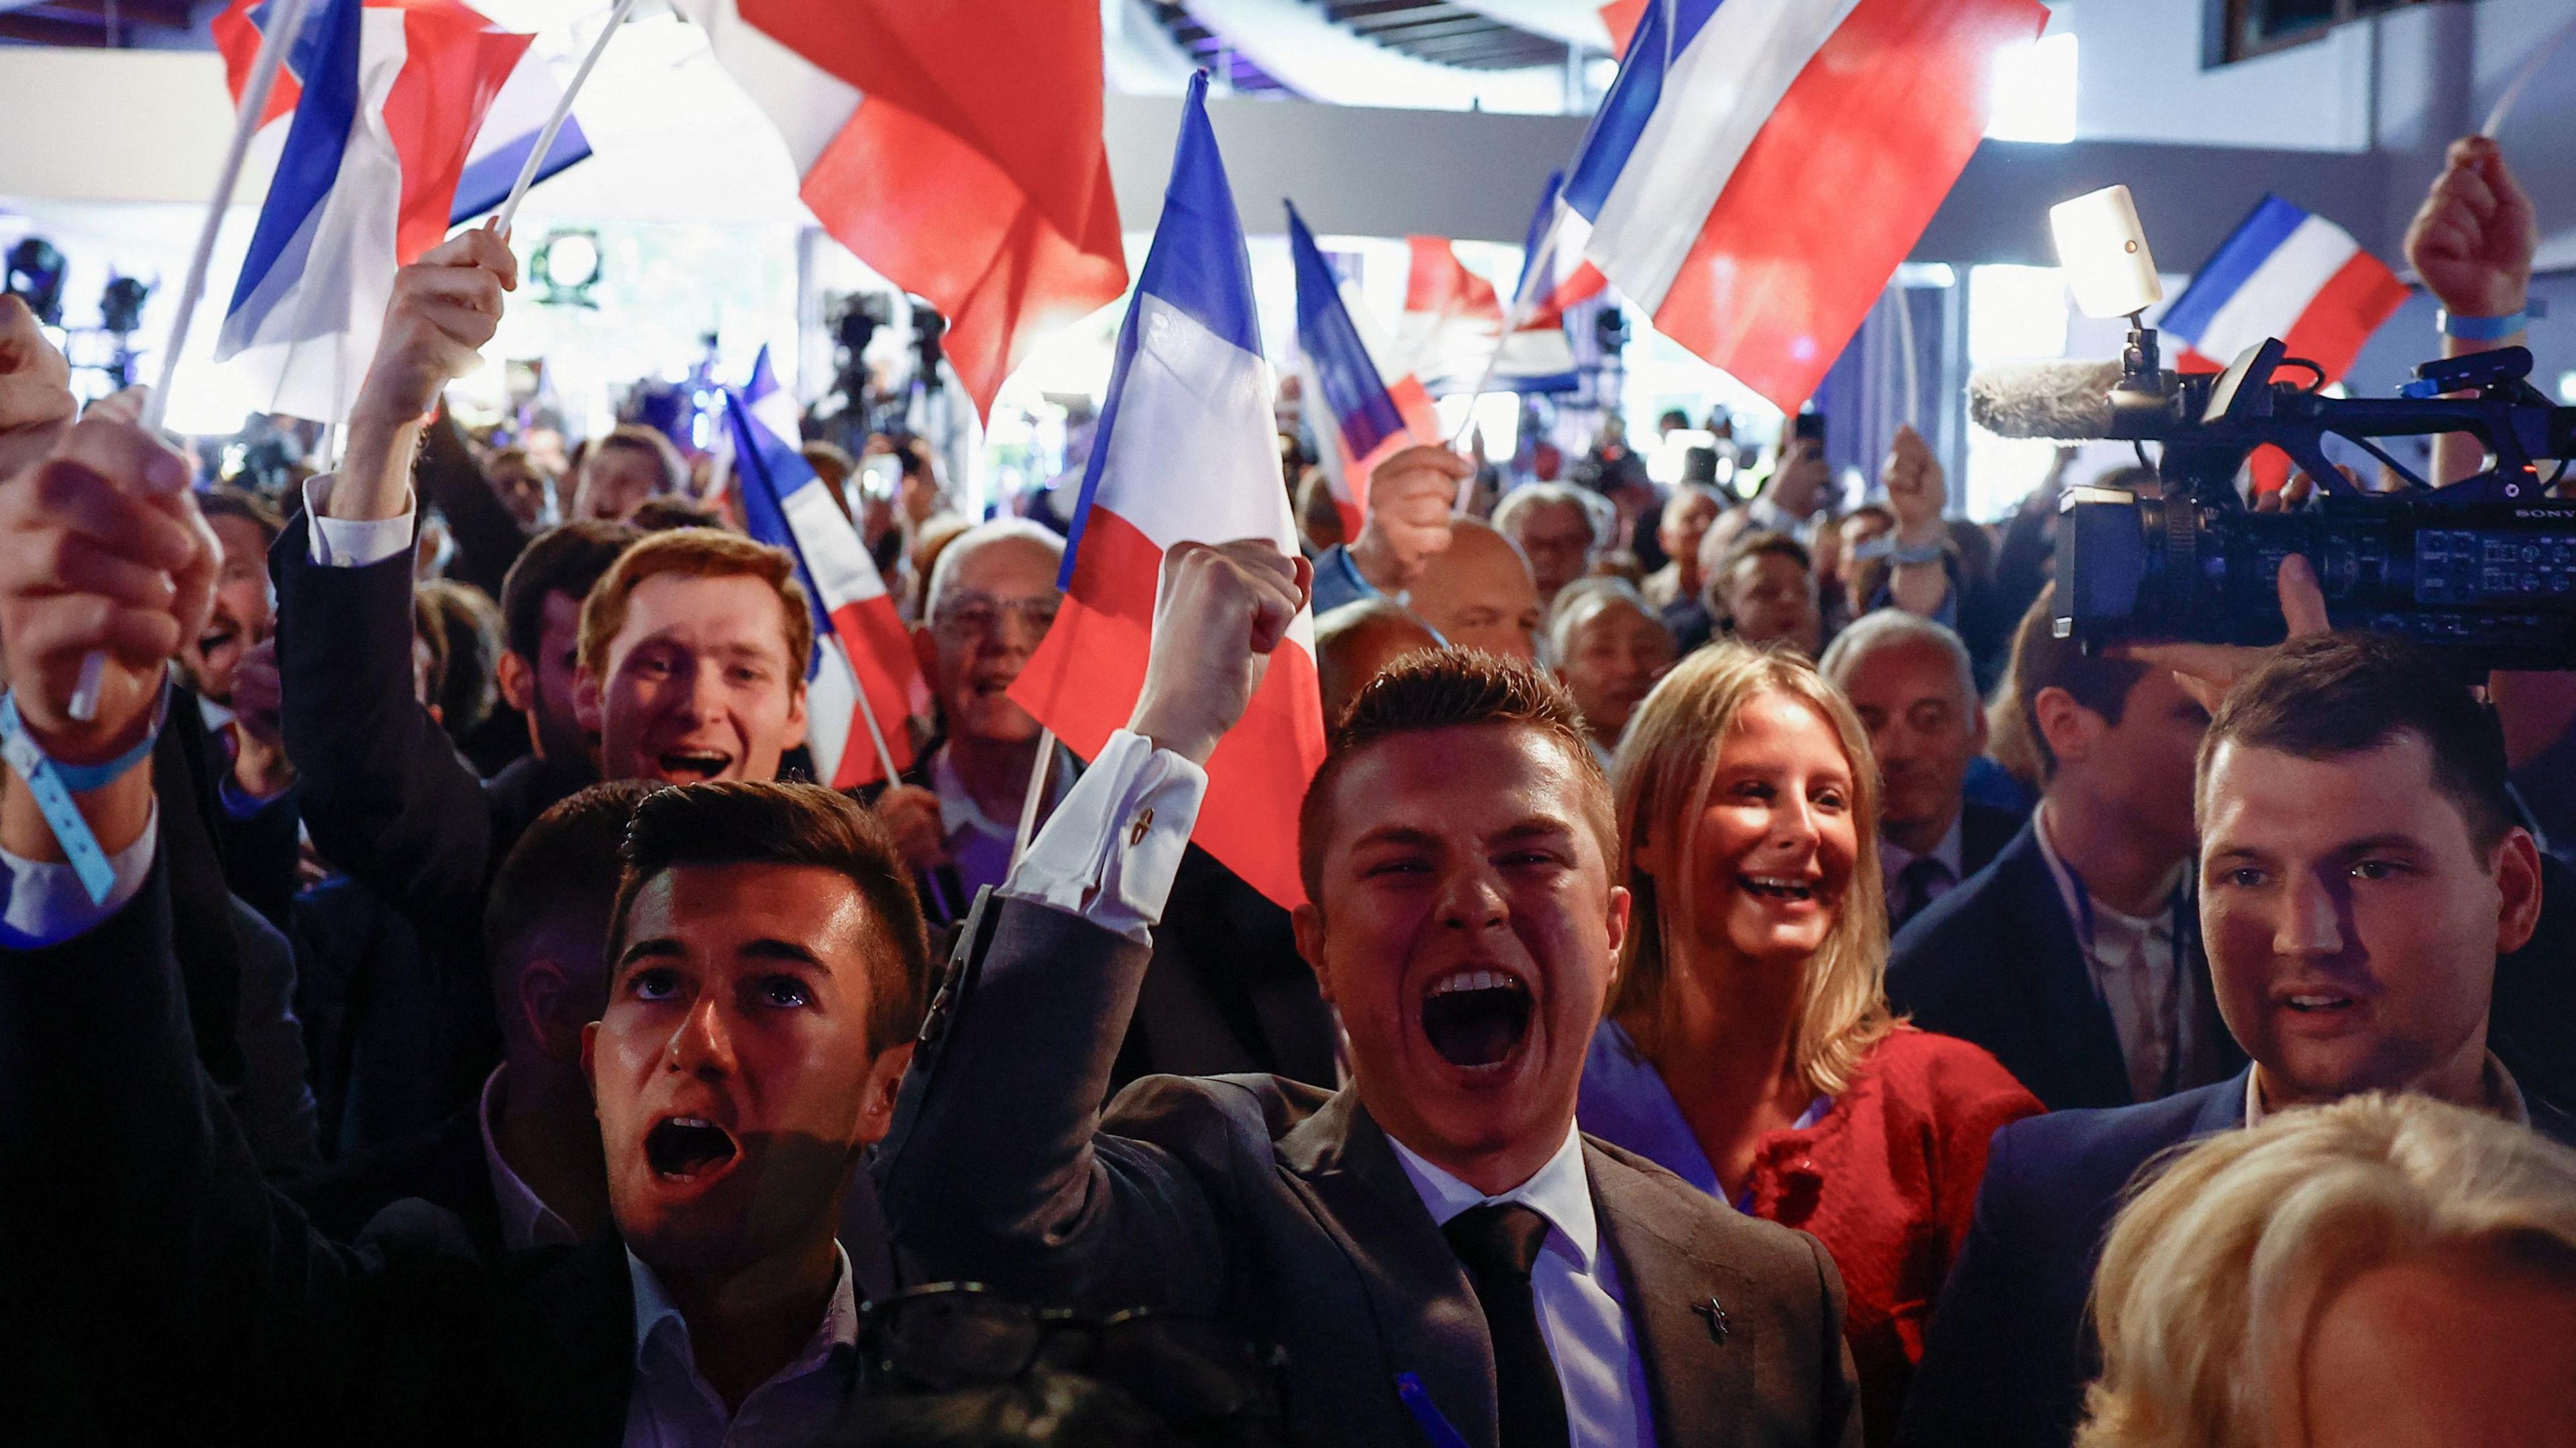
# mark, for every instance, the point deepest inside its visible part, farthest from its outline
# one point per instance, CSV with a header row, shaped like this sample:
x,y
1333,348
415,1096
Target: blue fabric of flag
x,y
1622,117
1541,221
766,470
1352,387
2232,265
486,181
1198,263
316,140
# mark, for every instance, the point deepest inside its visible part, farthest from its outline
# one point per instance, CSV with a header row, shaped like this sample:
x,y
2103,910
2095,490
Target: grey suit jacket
x,y
1282,1210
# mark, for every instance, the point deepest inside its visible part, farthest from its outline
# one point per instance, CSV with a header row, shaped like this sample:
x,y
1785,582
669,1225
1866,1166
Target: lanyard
x,y
2170,1079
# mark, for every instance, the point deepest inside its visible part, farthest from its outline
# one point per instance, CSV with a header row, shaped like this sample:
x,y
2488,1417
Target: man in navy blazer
x,y
2360,876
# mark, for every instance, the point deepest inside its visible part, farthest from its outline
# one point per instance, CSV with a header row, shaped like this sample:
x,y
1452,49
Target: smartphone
x,y
1811,428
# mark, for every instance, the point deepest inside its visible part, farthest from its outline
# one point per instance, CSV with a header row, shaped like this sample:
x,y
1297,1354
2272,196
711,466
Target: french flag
x,y
1349,364
2287,273
1453,323
383,102
1760,167
956,148
1554,274
1187,451
860,680
510,131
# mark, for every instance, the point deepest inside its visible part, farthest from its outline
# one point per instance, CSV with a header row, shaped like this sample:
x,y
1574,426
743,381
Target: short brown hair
x,y
752,822
2332,695
1450,688
567,559
697,553
471,623
666,511
565,867
2042,661
251,508
1753,544
637,438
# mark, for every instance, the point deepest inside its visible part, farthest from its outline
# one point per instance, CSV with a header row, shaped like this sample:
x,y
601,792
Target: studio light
x,y
566,267
36,275
120,308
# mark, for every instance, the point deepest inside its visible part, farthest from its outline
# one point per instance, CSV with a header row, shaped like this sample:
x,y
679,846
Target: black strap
x,y
1499,1243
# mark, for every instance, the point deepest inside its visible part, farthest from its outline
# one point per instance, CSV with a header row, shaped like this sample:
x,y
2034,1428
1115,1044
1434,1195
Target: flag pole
x,y
274,41
554,123
1037,790
1512,318
2513,90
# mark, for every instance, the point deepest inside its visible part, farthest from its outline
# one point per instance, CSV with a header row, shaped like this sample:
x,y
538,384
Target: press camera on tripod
x,y
2483,570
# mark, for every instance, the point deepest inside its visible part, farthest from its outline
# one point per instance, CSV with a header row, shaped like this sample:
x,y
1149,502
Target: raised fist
x,y
1222,609
1412,497
445,307
2473,238
101,549
1916,489
36,405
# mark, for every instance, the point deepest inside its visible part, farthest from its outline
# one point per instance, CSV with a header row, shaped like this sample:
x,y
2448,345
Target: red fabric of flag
x,y
973,173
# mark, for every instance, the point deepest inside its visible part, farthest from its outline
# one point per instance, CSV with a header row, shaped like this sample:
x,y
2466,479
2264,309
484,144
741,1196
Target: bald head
x,y
1355,642
1478,594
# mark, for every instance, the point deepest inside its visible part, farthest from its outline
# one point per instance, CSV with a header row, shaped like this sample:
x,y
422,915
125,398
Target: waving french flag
x,y
954,147
1187,451
1554,274
860,679
509,133
1376,405
1760,167
1452,326
2287,273
379,105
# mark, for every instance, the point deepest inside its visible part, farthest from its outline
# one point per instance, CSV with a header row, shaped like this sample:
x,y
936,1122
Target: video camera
x,y
2482,570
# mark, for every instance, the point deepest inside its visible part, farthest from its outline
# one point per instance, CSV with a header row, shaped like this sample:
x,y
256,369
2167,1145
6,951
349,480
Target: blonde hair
x,y
1663,774
2212,1274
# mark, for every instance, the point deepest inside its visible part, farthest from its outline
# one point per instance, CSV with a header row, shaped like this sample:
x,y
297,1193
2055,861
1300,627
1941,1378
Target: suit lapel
x,y
1699,1372
2073,1021
1423,1305
575,1365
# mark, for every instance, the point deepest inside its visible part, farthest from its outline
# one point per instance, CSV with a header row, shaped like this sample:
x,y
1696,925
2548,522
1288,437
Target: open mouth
x,y
1476,1018
213,639
688,1149
692,766
1777,887
2317,1003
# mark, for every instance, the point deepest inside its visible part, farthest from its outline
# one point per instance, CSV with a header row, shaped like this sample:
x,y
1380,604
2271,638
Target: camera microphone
x,y
2057,401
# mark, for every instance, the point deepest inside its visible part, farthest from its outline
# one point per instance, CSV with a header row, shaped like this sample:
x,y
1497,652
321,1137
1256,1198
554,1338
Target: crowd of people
x,y
1755,982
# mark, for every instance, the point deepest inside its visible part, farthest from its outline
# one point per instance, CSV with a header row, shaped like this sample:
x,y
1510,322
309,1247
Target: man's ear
x,y
587,710
2517,877
884,1085
1622,906
1307,921
589,1054
2070,729
549,1014
1976,725
795,713
518,682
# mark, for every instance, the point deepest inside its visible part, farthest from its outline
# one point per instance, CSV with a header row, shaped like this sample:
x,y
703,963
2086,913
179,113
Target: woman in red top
x,y
1749,1047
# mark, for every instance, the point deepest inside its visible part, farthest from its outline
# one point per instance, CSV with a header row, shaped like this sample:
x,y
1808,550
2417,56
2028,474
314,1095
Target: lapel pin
x,y
1715,1312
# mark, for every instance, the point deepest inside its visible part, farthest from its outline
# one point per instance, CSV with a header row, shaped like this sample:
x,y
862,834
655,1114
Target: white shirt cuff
x,y
344,543
47,904
1112,849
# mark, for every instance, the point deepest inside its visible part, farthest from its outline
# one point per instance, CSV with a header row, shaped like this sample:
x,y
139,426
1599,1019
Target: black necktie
x,y
1914,887
1498,1243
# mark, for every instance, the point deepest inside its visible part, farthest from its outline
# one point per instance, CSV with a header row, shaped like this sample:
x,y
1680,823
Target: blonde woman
x,y
1749,1047
2389,1271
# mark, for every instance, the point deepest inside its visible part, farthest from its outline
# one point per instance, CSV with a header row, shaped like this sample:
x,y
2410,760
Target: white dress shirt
x,y
2135,970
2503,1093
1576,1286
341,543
671,1405
525,1220
1112,849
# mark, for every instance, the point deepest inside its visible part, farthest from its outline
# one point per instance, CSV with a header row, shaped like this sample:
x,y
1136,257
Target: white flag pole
x,y
554,123
274,41
2513,90
1038,781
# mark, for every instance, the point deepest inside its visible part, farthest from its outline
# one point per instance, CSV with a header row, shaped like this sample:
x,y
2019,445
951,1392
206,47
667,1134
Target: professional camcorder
x,y
2482,570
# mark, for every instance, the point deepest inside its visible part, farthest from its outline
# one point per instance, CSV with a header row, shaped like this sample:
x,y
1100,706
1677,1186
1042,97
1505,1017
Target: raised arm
x,y
996,1167
384,794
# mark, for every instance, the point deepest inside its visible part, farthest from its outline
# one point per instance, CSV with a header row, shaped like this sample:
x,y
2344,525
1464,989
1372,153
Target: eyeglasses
x,y
1190,1371
965,617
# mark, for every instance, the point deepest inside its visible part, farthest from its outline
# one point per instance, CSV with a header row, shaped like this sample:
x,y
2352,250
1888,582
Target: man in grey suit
x,y
1435,1246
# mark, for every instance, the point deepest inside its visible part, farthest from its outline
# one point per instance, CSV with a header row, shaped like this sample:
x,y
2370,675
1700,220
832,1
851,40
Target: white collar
x,y
1953,849
526,1221
218,717
656,1315
957,807
2504,1095
1560,1191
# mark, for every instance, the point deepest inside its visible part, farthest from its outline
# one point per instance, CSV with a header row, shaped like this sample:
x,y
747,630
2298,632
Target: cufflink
x,y
1144,822
1715,1312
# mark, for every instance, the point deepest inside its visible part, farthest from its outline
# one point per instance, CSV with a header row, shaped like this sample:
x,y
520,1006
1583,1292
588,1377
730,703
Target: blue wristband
x,y
2489,329
53,783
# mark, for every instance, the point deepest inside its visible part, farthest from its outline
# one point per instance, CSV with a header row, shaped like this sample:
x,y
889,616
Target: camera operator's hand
x,y
36,405
445,307
102,549
2207,671
1223,608
2472,240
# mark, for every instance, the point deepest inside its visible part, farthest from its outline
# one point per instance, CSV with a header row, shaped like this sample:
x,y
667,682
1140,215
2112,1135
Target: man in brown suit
x,y
1437,1224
